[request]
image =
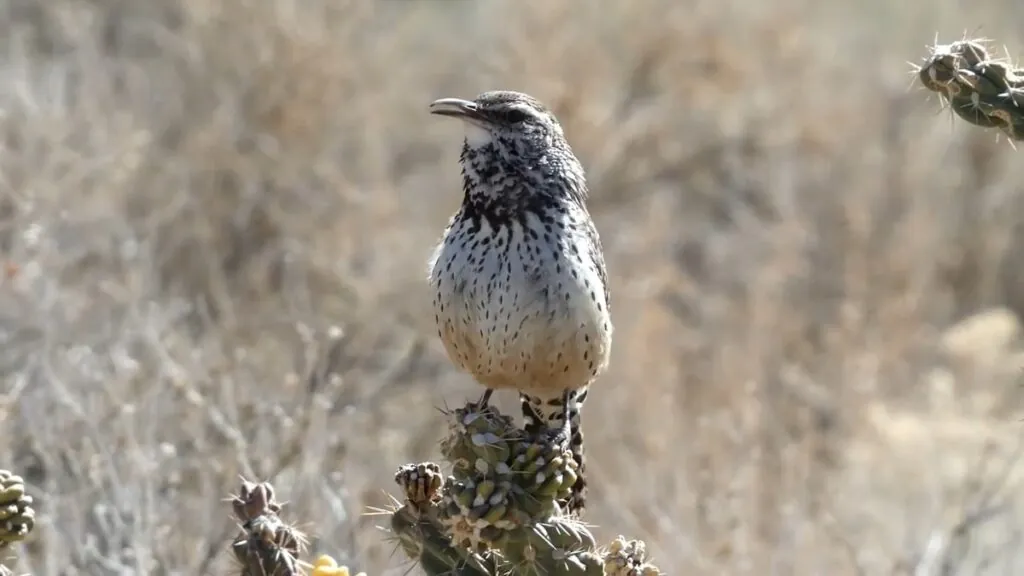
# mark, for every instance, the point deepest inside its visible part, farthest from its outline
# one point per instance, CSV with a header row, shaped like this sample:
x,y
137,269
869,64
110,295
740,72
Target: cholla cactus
x,y
498,510
265,545
16,515
982,90
17,518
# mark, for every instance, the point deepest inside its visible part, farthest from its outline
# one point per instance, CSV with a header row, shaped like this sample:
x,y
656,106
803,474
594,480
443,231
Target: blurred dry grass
x,y
215,218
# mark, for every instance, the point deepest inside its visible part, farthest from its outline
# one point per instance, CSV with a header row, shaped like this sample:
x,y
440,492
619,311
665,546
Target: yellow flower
x,y
325,561
327,566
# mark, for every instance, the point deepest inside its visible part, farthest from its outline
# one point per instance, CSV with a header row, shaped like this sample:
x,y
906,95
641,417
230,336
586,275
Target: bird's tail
x,y
549,414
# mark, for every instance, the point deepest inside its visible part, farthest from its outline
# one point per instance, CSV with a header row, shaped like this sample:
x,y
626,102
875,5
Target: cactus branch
x,y
982,90
498,512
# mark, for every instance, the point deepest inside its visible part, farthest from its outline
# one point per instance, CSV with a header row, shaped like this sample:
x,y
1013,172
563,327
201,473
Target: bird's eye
x,y
515,116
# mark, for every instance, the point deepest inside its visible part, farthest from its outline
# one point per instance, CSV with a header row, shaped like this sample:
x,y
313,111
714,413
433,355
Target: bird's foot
x,y
563,436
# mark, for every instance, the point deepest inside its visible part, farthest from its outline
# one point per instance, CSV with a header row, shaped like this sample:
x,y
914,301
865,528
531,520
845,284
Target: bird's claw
x,y
484,400
562,439
563,436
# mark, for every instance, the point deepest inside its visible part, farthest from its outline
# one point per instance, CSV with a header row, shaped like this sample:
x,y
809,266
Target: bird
x,y
521,297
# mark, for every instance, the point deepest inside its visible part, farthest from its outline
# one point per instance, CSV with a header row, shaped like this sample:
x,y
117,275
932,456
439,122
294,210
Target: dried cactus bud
x,y
628,558
254,500
265,544
421,482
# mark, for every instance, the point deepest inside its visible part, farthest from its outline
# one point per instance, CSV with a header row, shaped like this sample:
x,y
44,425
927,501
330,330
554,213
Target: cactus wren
x,y
520,289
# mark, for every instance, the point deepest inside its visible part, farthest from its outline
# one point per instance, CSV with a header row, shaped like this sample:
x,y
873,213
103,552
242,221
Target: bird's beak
x,y
456,108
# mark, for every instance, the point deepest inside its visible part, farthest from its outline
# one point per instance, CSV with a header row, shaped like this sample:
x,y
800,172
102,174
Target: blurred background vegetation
x,y
214,225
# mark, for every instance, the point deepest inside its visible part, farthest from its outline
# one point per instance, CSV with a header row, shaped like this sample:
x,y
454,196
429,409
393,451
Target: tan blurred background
x,y
215,219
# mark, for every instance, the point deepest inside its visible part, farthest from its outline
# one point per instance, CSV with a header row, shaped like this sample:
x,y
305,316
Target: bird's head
x,y
514,154
504,119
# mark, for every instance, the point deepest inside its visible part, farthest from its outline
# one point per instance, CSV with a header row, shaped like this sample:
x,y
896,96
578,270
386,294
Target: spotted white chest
x,y
523,305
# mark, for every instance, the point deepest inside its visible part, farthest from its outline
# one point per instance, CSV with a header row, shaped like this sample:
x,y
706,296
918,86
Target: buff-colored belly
x,y
539,352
